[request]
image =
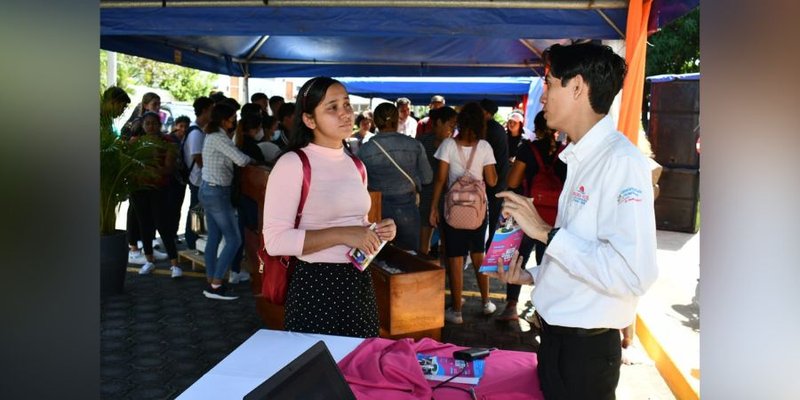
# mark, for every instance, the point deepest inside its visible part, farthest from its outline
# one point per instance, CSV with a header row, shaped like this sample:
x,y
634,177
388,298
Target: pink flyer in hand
x,y
505,242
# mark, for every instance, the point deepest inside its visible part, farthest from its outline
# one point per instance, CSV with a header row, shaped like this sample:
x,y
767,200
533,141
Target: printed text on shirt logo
x,y
629,195
580,196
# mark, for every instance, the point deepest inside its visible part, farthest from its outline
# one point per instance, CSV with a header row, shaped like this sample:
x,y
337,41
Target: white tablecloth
x,y
258,358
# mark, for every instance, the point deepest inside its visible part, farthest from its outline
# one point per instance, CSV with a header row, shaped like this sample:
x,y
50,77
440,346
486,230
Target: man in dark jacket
x,y
496,136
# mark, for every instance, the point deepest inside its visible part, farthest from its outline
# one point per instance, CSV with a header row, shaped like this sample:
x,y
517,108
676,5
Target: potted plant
x,y
123,166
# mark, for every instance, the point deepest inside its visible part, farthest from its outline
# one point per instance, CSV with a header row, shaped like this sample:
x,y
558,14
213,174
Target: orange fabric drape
x,y
630,112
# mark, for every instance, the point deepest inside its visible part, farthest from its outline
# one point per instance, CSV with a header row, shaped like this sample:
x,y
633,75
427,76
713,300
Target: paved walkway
x,y
161,335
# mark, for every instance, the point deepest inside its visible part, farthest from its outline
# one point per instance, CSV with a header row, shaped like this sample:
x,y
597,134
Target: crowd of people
x,y
595,250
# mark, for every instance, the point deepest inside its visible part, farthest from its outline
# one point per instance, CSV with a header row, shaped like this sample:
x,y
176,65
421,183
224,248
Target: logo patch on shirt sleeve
x,y
629,195
580,196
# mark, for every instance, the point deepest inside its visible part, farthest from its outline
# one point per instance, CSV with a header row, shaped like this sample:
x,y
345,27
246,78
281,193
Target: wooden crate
x,y
410,304
193,258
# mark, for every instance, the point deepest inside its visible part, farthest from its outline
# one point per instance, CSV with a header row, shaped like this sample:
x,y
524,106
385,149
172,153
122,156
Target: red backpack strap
x,y
538,156
361,169
303,196
306,185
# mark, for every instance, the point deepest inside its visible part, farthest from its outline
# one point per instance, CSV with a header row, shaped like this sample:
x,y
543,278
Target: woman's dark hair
x,y
543,132
150,114
309,97
247,123
251,109
219,113
470,122
147,98
442,114
267,121
365,115
386,117
147,114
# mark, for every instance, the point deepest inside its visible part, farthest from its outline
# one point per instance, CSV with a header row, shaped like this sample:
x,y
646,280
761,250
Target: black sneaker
x,y
220,293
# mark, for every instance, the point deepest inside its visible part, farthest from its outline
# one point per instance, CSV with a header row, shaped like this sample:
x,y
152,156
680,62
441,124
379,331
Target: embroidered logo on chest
x,y
580,196
629,195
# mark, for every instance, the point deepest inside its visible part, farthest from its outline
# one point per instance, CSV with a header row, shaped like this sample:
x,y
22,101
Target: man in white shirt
x,y
406,125
193,157
601,254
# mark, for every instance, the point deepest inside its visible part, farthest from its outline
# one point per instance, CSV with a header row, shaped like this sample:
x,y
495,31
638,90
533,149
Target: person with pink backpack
x,y
466,164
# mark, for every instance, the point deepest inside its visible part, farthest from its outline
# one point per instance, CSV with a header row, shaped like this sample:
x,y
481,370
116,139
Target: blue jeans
x,y
191,237
222,222
248,218
403,210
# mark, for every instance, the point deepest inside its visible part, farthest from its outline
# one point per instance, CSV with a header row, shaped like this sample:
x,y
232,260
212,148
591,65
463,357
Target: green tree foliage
x,y
675,49
185,84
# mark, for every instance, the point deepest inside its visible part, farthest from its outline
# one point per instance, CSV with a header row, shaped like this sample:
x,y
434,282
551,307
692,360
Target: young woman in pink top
x,y
327,294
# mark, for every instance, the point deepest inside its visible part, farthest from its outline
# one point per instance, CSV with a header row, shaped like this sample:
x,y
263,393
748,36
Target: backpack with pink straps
x,y
465,201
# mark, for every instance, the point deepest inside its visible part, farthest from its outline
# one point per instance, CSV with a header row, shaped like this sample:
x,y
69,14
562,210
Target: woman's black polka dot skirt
x,y
334,299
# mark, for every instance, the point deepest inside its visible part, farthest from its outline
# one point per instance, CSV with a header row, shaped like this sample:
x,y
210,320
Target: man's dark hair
x,y
258,96
231,102
115,93
251,109
201,104
275,100
442,114
286,110
601,68
217,97
183,118
489,106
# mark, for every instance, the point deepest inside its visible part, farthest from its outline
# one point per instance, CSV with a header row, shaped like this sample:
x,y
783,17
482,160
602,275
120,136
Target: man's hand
x,y
525,214
516,274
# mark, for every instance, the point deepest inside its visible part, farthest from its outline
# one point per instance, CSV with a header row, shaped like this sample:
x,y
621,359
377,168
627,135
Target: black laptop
x,y
312,375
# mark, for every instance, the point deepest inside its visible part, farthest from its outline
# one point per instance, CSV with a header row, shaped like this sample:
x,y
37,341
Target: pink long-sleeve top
x,y
337,197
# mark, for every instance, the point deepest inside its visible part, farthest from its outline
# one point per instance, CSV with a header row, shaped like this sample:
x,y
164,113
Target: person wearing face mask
x,y
269,150
219,156
247,135
286,123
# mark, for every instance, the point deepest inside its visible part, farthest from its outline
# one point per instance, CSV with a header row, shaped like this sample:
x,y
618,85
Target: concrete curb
x,y
677,381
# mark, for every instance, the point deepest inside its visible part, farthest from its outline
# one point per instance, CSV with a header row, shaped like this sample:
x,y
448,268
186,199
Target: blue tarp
x,y
504,91
289,41
674,77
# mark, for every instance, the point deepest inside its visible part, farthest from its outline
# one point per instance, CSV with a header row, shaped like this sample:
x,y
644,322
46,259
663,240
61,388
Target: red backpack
x,y
545,187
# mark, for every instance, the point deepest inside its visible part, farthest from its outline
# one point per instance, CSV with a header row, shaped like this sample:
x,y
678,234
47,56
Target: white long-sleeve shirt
x,y
603,258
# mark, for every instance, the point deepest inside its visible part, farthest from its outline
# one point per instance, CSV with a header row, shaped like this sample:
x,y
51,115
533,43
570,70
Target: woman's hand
x,y
525,214
516,274
363,238
386,229
434,217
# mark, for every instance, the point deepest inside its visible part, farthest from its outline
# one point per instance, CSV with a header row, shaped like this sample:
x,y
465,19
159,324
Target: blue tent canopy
x,y
298,38
503,91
